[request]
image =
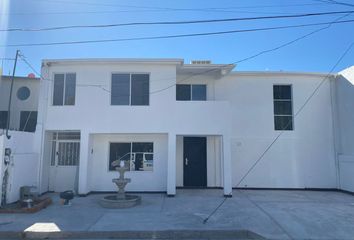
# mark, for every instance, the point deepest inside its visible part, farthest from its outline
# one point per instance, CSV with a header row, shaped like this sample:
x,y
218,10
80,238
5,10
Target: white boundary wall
x,y
23,167
345,124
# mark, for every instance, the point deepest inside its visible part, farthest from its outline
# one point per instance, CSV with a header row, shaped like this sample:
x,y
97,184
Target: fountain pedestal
x,y
121,199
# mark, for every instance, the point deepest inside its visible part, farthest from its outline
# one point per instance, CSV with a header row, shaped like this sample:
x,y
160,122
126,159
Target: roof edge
x,y
176,61
290,73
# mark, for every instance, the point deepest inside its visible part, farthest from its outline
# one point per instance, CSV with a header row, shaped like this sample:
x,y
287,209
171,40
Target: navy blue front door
x,y
194,162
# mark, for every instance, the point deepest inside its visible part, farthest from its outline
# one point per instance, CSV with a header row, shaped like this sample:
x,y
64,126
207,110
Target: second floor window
x,y
191,92
28,121
3,119
283,107
130,89
64,89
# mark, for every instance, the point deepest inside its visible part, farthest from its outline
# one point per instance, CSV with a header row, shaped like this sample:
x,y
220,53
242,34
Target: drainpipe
x,y
9,106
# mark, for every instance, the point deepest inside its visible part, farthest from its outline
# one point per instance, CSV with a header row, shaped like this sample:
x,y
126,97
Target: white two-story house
x,y
183,125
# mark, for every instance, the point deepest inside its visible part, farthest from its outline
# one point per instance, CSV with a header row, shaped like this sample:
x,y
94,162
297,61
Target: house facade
x,y
24,103
183,125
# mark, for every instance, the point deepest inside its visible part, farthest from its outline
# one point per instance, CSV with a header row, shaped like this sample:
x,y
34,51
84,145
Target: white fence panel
x,y
23,166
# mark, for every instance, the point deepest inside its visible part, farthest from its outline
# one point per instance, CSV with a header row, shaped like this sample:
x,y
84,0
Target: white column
x,y
227,166
83,164
171,165
38,146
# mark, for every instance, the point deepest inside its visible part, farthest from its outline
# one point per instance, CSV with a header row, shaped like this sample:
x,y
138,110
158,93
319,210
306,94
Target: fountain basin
x,y
113,201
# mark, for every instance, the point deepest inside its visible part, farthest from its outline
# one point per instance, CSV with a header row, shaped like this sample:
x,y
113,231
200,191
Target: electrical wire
x,y
285,127
172,36
333,2
173,9
173,22
212,70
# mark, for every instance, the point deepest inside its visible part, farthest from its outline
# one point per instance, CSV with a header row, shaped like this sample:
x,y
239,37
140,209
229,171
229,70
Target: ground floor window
x,y
137,156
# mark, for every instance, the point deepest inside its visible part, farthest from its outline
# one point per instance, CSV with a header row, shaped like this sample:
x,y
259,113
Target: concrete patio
x,y
274,214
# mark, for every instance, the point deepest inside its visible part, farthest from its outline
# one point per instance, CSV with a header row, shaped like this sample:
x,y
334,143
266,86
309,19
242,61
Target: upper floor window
x,y
130,89
28,121
64,89
3,119
283,107
23,93
191,92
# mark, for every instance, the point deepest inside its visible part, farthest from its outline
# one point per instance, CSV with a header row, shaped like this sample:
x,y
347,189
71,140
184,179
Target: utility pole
x,y
9,107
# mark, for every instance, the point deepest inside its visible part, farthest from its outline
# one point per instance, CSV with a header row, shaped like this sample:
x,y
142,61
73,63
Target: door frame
x,y
53,169
203,171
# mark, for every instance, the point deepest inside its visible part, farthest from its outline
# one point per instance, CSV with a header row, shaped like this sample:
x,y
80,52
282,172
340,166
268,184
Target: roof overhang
x,y
9,78
217,70
173,61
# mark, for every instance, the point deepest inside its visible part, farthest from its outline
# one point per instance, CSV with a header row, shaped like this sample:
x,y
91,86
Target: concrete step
x,y
166,234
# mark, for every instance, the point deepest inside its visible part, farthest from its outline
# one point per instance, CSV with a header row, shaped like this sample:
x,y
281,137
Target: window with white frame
x,y
137,156
130,89
191,92
64,89
283,107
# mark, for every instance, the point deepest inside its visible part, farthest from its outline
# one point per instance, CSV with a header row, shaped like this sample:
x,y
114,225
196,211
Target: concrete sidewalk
x,y
271,214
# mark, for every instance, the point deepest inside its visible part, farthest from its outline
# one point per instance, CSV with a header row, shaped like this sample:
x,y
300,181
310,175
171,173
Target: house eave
x,y
282,73
173,61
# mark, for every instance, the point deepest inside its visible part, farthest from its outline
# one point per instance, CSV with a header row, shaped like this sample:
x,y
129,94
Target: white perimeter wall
x,y
303,158
23,167
100,179
345,125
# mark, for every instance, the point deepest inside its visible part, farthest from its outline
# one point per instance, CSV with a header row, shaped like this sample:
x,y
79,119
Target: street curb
x,y
165,234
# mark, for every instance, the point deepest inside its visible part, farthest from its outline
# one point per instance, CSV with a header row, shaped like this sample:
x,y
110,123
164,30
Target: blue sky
x,y
317,53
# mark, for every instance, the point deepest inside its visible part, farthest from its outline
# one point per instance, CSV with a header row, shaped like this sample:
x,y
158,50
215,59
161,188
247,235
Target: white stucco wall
x,y
239,108
303,158
344,96
93,111
23,167
100,178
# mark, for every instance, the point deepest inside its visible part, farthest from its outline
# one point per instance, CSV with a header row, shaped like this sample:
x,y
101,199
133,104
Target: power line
x,y
282,131
230,9
173,22
125,11
335,2
174,9
271,49
300,109
172,36
211,70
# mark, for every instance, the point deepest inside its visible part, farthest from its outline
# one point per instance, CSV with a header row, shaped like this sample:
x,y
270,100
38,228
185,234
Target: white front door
x,y
64,165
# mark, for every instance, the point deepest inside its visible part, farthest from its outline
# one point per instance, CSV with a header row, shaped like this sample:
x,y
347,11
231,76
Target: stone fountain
x,y
120,200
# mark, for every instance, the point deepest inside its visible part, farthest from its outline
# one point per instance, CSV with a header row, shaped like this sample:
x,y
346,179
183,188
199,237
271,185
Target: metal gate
x,y
64,162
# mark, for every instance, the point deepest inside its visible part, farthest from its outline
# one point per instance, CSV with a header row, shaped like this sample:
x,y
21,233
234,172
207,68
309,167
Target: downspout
x,y
42,110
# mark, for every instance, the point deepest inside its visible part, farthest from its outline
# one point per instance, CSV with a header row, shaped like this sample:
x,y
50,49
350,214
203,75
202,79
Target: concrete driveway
x,y
274,214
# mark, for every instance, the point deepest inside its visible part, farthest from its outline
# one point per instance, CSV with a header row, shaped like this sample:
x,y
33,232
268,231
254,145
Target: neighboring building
x,y
24,103
183,125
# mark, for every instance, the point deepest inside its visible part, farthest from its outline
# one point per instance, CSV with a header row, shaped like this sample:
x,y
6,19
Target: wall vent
x,y
201,62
